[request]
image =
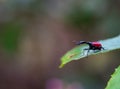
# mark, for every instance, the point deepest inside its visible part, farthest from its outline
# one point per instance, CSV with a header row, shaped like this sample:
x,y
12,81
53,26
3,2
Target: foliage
x,y
115,80
109,45
78,52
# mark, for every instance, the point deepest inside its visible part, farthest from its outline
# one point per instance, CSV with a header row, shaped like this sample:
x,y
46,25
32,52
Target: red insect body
x,y
96,44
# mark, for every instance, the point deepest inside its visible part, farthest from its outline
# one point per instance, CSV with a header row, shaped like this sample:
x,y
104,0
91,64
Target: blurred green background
x,y
35,34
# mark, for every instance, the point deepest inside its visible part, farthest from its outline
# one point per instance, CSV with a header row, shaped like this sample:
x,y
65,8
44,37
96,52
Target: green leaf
x,y
78,53
115,80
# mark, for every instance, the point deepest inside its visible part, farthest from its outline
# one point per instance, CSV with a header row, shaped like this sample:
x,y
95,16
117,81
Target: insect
x,y
95,46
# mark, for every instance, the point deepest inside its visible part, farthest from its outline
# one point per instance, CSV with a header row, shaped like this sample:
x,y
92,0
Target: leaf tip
x,y
61,65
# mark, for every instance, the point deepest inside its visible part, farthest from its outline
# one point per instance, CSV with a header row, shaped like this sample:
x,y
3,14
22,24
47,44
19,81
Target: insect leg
x,y
103,48
87,50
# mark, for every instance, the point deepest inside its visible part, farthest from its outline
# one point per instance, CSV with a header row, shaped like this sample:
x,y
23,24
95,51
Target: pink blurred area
x,y
56,83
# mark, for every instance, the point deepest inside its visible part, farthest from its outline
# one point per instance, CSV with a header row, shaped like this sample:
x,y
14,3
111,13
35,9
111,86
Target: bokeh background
x,y
35,34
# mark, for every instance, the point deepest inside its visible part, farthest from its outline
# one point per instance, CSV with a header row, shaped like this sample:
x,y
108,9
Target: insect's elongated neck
x,y
84,42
